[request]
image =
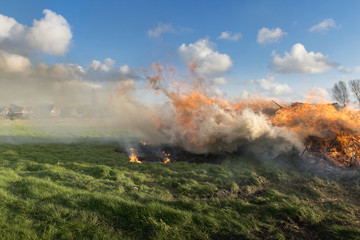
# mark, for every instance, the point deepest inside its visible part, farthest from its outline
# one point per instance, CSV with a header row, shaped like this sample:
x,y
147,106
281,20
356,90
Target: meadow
x,y
57,183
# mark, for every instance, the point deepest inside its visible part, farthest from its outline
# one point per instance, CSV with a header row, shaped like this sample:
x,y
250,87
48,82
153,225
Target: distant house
x,y
26,112
15,112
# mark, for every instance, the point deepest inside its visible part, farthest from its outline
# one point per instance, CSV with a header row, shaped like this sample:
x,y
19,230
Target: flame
x,y
202,122
145,143
326,129
166,158
133,157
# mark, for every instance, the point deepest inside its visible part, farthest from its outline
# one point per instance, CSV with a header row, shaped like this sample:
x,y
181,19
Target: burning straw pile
x,y
201,122
327,132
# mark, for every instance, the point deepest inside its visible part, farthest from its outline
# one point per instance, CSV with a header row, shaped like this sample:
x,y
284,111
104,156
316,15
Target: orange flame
x,y
145,143
133,157
205,123
166,156
333,132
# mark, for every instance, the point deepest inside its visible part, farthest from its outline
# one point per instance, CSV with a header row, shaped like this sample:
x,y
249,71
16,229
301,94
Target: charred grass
x,y
89,191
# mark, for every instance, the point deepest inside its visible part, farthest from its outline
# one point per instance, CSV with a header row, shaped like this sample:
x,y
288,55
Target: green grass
x,y
88,191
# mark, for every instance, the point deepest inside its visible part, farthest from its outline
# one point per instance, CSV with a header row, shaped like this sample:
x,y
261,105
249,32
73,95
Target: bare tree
x,y
355,88
340,93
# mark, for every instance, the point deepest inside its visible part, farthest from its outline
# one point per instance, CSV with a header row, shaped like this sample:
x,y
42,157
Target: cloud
x,y
51,35
62,84
59,72
220,81
344,70
230,36
9,27
301,61
324,26
65,84
273,88
201,57
13,62
104,66
266,36
160,29
357,69
107,71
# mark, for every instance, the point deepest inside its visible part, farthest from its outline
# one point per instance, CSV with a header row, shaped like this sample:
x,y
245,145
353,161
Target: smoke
x,y
190,114
197,120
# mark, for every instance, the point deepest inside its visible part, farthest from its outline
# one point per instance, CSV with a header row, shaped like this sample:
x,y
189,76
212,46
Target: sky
x,y
278,49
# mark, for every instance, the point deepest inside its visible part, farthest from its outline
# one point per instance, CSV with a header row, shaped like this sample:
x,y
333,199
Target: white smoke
x,y
200,122
214,129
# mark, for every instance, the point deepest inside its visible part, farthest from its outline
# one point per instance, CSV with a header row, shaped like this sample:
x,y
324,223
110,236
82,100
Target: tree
x,y
340,93
355,88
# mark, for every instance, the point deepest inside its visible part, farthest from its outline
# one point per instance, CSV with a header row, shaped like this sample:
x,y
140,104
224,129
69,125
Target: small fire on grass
x,y
144,143
133,157
166,156
150,153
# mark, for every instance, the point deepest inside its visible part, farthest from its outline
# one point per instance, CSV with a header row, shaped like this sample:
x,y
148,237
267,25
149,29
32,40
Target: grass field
x,y
85,190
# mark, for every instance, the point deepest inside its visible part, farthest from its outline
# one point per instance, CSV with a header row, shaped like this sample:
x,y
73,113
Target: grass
x,y
86,190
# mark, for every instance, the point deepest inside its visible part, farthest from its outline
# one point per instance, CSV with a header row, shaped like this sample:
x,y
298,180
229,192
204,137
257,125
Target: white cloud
x,y
160,29
124,69
104,66
201,57
230,36
59,72
9,27
357,69
51,34
106,71
96,72
13,62
273,88
344,70
266,35
301,61
324,26
220,81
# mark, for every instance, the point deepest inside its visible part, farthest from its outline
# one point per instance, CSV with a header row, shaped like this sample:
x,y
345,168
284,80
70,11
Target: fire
x,y
325,129
166,156
133,157
145,143
200,121
192,106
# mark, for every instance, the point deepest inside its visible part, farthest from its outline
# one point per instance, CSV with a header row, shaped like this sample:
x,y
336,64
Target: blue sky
x,y
119,30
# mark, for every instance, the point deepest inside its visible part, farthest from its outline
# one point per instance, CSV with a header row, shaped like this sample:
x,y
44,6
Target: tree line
x,y
340,92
